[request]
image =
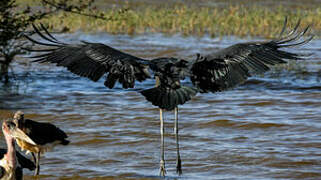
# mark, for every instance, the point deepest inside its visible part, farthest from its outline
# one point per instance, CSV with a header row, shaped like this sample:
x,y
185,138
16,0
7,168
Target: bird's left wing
x,y
92,60
233,65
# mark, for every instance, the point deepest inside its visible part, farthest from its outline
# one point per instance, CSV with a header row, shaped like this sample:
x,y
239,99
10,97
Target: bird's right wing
x,y
92,60
233,65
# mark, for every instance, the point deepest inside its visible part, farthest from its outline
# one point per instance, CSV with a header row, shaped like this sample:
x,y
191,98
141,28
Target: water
x,y
268,128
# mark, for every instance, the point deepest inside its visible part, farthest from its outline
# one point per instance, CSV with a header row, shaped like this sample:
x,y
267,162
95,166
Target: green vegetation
x,y
17,17
235,20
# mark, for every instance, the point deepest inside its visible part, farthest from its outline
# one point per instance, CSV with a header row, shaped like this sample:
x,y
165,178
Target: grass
x,y
188,19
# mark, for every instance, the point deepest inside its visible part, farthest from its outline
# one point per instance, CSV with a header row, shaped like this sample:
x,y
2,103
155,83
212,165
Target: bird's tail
x,y
65,142
169,98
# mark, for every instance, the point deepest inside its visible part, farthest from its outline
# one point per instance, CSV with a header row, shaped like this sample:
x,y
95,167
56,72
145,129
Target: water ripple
x,y
268,128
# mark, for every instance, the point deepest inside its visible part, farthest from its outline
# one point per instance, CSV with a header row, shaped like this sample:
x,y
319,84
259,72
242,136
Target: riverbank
x,y
215,18
237,20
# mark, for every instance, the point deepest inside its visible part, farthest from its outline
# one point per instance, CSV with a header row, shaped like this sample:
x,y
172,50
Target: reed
x,y
236,20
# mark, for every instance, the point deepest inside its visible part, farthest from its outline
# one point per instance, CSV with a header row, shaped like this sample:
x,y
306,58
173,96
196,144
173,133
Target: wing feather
x,y
233,65
92,60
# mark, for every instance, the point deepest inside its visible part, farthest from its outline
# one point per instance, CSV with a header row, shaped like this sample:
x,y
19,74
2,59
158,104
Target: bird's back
x,y
43,133
169,93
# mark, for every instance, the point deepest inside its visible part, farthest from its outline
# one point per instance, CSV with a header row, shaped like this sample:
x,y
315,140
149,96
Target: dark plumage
x,y
233,65
214,72
44,135
169,92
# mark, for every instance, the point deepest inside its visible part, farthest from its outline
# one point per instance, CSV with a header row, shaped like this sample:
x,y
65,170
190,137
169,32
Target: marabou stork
x,y
12,162
217,71
44,135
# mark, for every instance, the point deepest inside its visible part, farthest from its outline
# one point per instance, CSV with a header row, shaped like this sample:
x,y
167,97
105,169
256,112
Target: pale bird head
x,y
18,117
5,128
10,129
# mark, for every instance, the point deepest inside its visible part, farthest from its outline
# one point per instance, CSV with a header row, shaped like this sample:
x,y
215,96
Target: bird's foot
x,y
179,166
36,173
37,170
162,170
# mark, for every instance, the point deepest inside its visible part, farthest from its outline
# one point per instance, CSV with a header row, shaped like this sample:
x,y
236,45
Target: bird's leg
x,y
37,164
162,170
178,157
34,157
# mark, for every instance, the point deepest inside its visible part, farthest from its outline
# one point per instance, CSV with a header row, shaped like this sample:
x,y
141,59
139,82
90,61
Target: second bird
x,y
45,136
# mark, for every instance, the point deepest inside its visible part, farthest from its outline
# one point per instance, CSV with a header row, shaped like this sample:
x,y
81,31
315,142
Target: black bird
x,y
11,161
44,135
214,72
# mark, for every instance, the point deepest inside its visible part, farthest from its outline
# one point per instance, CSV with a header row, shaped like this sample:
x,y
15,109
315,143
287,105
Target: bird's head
x,y
6,127
10,130
18,118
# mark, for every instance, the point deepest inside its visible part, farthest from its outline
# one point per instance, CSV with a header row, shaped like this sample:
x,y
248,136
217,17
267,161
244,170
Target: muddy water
x,y
268,128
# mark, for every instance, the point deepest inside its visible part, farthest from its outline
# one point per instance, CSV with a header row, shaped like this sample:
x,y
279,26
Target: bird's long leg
x,y
178,157
162,170
34,157
37,164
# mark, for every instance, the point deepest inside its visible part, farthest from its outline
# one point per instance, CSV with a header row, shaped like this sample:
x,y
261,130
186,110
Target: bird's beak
x,y
19,134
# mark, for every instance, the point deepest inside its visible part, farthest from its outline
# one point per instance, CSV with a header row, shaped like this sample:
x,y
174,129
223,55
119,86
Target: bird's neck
x,y
21,123
11,153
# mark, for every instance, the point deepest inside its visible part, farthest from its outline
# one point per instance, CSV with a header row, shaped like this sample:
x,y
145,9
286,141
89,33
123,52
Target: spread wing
x,y
92,60
233,65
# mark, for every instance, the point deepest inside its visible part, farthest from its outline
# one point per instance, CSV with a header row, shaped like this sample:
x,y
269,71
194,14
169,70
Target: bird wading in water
x,y
44,135
216,71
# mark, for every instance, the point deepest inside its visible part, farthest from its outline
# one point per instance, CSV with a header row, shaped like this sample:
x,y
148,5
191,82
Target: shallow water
x,y
268,128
